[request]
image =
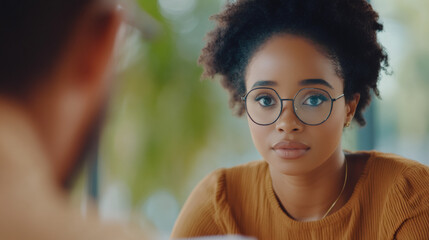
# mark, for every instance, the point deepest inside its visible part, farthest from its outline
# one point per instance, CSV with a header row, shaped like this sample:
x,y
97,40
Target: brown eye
x,y
315,100
265,100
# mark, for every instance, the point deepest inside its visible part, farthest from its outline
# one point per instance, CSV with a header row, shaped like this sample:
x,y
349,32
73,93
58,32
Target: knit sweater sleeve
x,y
198,215
414,191
414,228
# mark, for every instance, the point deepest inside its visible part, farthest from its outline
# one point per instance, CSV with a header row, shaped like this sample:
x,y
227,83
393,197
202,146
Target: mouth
x,y
290,150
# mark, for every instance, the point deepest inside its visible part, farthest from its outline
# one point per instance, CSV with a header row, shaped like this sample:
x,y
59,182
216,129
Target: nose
x,y
288,122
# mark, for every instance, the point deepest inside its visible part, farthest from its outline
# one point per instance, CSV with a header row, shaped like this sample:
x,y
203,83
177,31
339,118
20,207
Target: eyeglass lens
x,y
312,106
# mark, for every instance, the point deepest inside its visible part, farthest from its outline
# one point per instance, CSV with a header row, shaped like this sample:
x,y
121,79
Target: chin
x,y
290,167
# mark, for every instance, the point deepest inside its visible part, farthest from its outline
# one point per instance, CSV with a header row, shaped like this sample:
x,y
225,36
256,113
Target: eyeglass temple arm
x,y
335,99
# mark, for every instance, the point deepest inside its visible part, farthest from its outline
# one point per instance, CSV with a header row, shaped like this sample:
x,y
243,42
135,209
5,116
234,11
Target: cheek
x,y
260,136
329,133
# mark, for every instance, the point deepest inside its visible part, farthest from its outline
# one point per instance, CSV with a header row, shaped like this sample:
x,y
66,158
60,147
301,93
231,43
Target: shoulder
x,y
208,192
401,184
408,196
215,185
198,215
224,185
246,173
395,160
394,168
394,190
410,181
246,182
217,179
208,211
401,173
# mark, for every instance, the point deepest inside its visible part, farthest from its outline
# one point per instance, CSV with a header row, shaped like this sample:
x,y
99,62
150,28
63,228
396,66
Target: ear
x,y
79,85
94,46
351,108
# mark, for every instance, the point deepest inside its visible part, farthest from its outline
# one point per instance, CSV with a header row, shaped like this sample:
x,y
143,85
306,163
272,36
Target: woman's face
x,y
287,64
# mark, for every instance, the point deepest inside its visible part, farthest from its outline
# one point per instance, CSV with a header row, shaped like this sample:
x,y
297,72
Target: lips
x,y
290,149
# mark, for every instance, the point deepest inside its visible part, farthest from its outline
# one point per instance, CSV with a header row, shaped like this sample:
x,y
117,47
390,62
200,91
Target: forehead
x,y
289,59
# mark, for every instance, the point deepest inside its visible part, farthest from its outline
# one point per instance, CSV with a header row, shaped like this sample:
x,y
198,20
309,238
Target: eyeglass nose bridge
x,y
283,105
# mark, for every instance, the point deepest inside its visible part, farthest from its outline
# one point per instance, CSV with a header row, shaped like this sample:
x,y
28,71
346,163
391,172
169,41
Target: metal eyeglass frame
x,y
244,98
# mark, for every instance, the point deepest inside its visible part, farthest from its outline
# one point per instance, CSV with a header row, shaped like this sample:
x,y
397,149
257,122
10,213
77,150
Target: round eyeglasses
x,y
312,106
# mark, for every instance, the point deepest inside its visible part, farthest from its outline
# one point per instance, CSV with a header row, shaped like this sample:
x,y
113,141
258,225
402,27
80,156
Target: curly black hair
x,y
345,29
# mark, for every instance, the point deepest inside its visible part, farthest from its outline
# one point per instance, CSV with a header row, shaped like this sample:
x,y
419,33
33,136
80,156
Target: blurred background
x,y
167,128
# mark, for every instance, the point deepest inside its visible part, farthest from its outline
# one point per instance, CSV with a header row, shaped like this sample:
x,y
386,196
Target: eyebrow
x,y
315,81
305,82
264,83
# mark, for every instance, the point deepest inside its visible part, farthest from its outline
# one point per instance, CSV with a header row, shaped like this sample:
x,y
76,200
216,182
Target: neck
x,y
314,192
20,142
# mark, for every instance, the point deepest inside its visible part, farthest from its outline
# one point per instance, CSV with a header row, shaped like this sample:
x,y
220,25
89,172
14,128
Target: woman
x,y
302,71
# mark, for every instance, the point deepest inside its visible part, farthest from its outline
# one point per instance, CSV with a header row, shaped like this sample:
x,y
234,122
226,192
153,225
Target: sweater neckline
x,y
330,219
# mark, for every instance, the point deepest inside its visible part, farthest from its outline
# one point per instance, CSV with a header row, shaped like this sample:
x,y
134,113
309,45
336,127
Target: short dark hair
x,y
345,29
33,33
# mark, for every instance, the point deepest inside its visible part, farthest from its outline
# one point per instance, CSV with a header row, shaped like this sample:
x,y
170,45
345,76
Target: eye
x,y
315,100
265,100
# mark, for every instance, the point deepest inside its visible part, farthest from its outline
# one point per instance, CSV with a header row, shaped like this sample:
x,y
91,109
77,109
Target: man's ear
x,y
80,85
94,44
351,107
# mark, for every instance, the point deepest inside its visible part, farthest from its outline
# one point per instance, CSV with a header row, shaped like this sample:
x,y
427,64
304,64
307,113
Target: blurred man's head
x,y
54,64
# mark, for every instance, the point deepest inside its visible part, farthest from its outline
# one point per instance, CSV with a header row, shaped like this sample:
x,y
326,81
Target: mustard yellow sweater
x,y
390,201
